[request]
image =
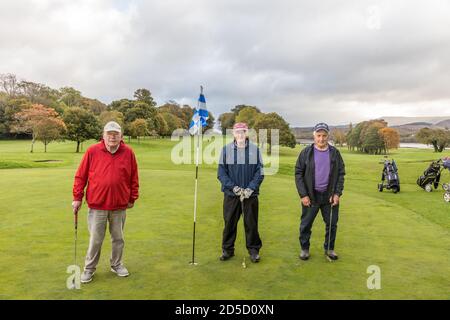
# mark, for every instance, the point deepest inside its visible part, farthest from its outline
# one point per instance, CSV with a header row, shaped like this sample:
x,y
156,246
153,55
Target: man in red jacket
x,y
110,171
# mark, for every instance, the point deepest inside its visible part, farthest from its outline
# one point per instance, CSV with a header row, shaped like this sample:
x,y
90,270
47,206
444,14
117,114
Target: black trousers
x,y
231,213
322,203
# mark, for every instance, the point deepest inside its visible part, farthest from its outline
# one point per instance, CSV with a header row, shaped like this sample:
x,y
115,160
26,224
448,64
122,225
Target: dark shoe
x,y
255,257
225,256
304,255
331,254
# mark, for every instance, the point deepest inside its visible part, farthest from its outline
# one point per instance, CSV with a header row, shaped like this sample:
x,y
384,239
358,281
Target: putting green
x,y
406,234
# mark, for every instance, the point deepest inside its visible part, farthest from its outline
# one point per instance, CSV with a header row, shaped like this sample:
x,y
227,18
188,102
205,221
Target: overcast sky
x,y
335,61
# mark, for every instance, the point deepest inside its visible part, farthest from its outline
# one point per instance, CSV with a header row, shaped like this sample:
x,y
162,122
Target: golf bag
x,y
446,186
389,177
431,176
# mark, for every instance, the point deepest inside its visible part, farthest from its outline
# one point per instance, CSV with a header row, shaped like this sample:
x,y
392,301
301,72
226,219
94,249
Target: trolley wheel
x,y
447,197
428,187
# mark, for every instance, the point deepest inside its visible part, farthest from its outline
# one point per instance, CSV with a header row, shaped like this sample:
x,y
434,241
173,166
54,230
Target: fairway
x,y
407,234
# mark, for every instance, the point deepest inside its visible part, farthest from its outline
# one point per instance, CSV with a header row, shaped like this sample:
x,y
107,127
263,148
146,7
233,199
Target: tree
x,y
41,123
173,122
390,137
49,129
139,128
184,114
161,126
438,138
93,105
365,137
9,84
372,143
272,121
70,97
239,107
81,125
38,93
227,120
144,95
9,107
107,116
140,110
338,137
121,105
209,122
248,115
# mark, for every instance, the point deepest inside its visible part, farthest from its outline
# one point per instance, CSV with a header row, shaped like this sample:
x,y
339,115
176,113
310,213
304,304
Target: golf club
x,y
329,233
76,238
244,265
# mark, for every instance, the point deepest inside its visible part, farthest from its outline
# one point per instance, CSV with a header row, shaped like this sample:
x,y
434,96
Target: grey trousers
x,y
97,220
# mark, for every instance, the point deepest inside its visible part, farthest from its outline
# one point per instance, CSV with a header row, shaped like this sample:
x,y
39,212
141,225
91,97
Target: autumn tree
x,y
42,123
338,136
390,137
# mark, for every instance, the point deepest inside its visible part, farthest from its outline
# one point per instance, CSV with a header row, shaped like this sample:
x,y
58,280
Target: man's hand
x,y
247,193
238,191
306,201
130,205
334,200
76,205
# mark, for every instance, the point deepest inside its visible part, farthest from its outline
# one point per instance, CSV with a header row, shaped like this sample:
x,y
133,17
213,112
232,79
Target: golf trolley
x,y
389,177
432,176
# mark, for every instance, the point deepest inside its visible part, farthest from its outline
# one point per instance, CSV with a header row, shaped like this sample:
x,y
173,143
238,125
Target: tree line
x,y
258,120
372,137
29,109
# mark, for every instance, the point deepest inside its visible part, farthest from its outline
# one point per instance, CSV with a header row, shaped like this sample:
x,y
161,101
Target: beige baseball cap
x,y
112,126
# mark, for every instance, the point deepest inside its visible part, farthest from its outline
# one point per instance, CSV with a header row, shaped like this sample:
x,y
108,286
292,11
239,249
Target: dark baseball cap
x,y
321,126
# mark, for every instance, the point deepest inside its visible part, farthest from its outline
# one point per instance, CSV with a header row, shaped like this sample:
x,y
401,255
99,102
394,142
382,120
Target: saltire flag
x,y
200,115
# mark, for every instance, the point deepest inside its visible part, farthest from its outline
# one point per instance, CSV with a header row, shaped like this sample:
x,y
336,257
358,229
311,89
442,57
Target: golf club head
x,y
244,265
192,263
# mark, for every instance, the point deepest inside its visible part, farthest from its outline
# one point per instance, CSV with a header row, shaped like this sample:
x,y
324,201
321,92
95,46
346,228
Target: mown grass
x,y
406,234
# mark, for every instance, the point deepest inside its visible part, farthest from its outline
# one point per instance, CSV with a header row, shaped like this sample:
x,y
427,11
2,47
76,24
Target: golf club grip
x,y
76,219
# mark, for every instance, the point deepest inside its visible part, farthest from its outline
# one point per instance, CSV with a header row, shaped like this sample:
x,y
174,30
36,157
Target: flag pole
x,y
196,184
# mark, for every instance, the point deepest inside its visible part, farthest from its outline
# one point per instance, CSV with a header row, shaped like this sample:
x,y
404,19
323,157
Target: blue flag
x,y
200,115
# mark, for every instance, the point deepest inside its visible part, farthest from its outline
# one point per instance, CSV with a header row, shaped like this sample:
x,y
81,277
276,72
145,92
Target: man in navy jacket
x,y
240,173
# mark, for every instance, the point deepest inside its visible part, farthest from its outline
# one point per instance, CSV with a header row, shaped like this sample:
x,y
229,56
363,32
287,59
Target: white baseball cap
x,y
112,126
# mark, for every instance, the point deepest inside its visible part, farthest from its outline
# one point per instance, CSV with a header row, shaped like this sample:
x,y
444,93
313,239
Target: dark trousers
x,y
231,213
322,202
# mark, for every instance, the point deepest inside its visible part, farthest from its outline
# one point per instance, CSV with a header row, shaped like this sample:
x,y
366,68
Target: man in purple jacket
x,y
319,177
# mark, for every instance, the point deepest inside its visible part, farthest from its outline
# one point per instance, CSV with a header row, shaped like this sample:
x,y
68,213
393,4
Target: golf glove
x,y
247,193
238,190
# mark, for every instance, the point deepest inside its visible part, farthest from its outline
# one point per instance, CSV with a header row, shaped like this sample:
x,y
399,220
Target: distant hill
x,y
398,121
406,126
443,124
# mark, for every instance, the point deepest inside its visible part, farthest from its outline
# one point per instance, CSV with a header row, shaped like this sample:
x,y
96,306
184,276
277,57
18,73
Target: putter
x,y
244,265
76,238
329,233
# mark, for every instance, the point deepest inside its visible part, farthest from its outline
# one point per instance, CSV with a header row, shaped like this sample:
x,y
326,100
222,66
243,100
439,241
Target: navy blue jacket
x,y
237,170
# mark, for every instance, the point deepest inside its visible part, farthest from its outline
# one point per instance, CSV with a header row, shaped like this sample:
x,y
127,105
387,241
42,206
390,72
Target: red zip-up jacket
x,y
112,179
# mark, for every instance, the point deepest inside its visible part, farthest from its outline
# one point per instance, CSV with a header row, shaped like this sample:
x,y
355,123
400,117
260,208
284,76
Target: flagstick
x,y
196,188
